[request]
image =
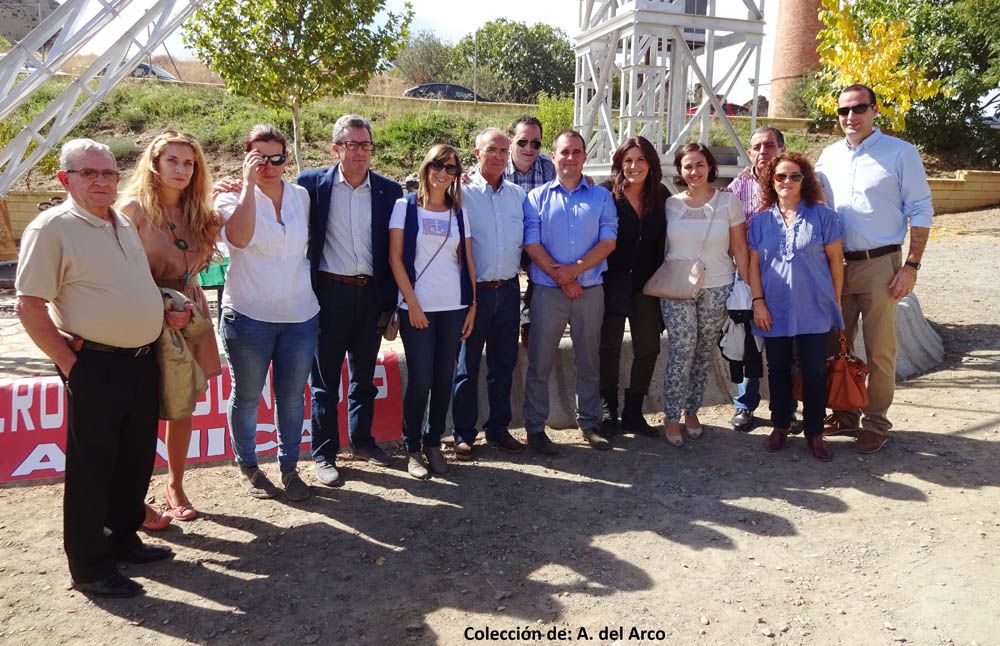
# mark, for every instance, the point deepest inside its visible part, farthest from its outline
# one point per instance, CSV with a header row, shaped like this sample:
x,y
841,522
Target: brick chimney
x,y
794,49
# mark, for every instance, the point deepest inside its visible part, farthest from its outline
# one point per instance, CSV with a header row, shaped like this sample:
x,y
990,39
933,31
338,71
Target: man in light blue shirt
x,y
494,209
570,228
877,184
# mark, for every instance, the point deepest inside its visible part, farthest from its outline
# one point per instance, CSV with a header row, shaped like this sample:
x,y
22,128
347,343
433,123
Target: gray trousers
x,y
551,310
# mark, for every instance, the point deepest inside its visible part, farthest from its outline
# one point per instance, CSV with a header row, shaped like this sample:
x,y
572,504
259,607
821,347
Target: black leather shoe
x,y
742,421
115,585
373,454
506,443
146,554
542,444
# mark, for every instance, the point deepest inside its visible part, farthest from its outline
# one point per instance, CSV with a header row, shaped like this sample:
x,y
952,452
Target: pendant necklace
x,y
182,244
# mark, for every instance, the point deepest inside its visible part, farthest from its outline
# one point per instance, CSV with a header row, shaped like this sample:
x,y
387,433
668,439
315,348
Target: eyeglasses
x,y
860,108
781,177
524,143
274,160
437,166
367,146
91,174
502,152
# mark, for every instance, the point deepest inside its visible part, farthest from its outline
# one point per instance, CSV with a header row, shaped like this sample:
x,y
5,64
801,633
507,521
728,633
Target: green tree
x,y
286,54
957,44
523,60
425,59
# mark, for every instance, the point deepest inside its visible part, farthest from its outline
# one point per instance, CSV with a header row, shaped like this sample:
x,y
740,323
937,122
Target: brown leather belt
x,y
877,252
141,351
357,281
493,284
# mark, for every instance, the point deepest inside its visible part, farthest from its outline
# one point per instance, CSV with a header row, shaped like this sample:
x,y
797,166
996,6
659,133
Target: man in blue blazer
x,y
348,253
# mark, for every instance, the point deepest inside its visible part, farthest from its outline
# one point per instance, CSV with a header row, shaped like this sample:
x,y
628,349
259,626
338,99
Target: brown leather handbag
x,y
845,380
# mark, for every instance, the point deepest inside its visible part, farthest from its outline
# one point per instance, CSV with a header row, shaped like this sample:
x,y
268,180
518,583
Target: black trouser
x,y
645,324
110,447
812,367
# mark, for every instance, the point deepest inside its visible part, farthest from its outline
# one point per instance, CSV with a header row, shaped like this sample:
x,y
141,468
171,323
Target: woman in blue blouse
x,y
796,273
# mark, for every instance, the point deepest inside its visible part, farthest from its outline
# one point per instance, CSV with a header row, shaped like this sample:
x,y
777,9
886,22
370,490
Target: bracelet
x,y
757,298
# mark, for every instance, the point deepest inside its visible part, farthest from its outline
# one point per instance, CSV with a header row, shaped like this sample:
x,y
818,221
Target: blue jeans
x,y
252,346
748,394
496,327
348,323
812,367
430,369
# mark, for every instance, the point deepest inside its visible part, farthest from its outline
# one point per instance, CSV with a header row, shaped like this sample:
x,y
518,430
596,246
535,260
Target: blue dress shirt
x,y
569,224
794,270
877,189
496,218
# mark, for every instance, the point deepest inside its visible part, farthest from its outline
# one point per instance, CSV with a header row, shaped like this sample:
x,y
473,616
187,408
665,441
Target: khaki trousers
x,y
866,293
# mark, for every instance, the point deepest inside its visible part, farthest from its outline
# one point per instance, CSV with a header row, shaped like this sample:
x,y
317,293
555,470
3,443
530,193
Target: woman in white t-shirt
x,y
270,315
430,253
698,217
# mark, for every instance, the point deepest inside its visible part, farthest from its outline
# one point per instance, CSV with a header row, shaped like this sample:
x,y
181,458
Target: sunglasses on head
x,y
437,166
859,108
534,143
274,160
795,177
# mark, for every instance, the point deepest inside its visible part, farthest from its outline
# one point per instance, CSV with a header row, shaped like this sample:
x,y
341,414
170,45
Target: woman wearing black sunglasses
x,y
269,311
796,274
430,253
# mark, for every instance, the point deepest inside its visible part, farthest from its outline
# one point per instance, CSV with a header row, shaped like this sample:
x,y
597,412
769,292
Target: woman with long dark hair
x,y
640,196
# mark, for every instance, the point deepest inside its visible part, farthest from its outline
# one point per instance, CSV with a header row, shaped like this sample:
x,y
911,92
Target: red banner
x,y
33,422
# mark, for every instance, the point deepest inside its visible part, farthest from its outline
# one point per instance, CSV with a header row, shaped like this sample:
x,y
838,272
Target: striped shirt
x,y
348,247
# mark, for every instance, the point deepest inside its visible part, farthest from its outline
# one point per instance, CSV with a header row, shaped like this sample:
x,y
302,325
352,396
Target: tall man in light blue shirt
x,y
494,208
878,186
570,228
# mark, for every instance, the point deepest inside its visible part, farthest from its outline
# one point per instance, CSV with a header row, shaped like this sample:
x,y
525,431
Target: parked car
x,y
146,71
732,109
444,91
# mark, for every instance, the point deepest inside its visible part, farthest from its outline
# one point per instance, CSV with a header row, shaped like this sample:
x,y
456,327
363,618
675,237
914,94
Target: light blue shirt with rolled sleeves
x,y
496,218
569,224
877,189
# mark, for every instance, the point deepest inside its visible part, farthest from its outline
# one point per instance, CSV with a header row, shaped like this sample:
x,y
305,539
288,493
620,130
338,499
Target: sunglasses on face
x,y
437,166
90,174
859,108
274,160
354,145
534,143
781,177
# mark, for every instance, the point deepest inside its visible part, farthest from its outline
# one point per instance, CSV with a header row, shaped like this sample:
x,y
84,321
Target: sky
x,y
452,19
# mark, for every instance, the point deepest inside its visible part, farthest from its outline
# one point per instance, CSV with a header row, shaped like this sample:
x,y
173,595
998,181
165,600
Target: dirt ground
x,y
715,543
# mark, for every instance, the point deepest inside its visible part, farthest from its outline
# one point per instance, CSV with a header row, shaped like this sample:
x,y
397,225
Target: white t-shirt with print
x,y
686,229
439,288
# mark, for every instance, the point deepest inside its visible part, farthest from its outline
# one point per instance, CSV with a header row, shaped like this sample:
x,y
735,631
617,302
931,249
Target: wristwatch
x,y
915,265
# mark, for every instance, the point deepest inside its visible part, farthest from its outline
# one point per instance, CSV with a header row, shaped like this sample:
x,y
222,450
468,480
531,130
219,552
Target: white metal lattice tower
x,y
653,52
74,25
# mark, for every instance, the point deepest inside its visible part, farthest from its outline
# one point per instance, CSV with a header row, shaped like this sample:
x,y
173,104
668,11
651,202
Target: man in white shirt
x,y
878,186
349,214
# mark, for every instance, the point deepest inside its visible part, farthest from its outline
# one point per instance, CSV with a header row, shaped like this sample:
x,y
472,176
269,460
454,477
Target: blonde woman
x,y
430,253
168,199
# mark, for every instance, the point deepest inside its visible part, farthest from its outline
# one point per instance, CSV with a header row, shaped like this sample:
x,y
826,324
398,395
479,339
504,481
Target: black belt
x,y
357,281
141,351
872,253
493,284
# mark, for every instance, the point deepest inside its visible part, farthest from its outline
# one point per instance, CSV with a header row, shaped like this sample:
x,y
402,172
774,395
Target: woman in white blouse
x,y
269,310
710,224
430,253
